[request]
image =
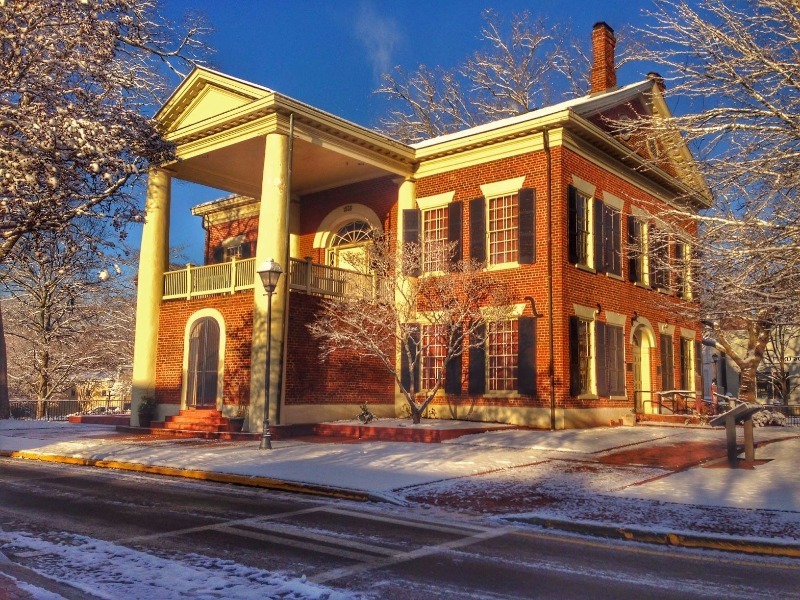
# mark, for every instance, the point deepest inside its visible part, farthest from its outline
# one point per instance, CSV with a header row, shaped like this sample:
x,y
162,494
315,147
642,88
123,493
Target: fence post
x,y
308,274
233,275
188,281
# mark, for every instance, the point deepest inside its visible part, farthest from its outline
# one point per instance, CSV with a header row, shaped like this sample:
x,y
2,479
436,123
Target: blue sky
x,y
331,54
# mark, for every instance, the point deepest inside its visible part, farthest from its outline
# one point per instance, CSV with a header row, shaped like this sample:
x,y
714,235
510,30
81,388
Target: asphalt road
x,y
381,551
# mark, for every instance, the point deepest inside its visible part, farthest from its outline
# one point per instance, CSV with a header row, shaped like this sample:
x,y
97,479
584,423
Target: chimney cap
x,y
604,25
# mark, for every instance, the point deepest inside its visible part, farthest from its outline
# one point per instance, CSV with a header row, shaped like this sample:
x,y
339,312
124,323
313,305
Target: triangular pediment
x,y
205,95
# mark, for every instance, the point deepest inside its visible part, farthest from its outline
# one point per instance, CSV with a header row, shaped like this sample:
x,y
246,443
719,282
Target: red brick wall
x,y
379,194
340,379
237,311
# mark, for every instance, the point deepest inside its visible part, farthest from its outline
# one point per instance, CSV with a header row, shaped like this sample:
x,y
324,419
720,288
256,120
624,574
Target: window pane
x,y
435,255
583,226
584,356
502,347
434,348
503,229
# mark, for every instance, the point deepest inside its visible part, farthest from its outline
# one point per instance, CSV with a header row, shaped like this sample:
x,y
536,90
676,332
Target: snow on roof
x,y
584,104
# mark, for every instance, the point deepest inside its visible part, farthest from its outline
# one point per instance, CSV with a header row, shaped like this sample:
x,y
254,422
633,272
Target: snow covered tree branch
x,y
78,78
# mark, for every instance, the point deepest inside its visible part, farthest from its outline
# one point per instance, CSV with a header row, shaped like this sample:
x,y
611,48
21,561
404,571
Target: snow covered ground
x,y
517,474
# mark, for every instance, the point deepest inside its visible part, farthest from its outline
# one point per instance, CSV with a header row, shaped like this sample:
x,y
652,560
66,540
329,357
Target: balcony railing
x,y
230,277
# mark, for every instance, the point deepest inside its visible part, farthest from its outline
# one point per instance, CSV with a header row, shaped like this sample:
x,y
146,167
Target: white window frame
x,y
426,204
492,191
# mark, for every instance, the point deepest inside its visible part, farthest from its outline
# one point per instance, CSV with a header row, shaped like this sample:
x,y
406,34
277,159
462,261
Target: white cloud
x,y
380,36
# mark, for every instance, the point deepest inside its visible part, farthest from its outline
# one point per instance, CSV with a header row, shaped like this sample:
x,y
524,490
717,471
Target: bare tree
x,y
412,325
733,69
77,80
62,321
525,65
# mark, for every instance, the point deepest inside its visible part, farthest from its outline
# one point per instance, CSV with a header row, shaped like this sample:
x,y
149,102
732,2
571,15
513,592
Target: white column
x,y
406,199
272,242
153,262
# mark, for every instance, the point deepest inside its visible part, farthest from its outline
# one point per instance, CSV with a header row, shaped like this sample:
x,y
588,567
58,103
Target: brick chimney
x,y
604,74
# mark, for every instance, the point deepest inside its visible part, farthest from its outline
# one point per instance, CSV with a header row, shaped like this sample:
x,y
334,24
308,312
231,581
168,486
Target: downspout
x,y
287,267
550,319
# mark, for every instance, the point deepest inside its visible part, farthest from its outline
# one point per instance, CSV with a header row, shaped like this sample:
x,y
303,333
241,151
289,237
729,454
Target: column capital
x,y
276,123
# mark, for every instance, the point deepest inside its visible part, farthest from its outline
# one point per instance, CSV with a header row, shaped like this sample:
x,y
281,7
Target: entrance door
x,y
203,367
642,385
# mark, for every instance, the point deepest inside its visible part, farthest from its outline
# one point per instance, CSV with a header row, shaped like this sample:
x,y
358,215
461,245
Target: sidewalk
x,y
663,484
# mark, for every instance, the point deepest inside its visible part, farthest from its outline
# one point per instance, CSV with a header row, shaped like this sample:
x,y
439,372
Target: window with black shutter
x,y
580,356
637,251
686,364
579,227
477,362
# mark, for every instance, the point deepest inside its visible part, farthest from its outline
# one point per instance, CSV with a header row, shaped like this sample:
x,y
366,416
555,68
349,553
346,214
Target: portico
x,y
251,142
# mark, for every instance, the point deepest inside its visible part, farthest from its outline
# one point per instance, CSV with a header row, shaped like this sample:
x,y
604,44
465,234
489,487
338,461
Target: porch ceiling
x,y
238,168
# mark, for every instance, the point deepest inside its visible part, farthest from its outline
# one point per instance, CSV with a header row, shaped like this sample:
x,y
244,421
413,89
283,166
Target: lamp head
x,y
270,272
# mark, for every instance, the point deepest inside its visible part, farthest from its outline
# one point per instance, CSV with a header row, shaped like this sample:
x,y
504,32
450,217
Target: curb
x,y
685,540
244,480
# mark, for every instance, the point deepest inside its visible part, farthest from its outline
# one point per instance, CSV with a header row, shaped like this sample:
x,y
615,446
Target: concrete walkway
x,y
663,484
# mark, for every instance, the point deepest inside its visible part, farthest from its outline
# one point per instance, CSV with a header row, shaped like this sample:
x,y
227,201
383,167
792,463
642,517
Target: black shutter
x,y
667,368
477,229
574,358
477,363
600,358
527,226
655,256
614,352
455,216
218,255
526,358
634,235
572,229
452,377
614,264
247,249
680,269
698,364
599,238
413,348
411,223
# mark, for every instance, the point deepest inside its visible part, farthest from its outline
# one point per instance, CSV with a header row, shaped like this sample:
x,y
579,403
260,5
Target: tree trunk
x,y
416,414
747,384
5,407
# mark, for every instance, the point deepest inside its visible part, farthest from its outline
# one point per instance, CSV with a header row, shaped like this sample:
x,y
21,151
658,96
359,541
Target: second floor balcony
x,y
237,275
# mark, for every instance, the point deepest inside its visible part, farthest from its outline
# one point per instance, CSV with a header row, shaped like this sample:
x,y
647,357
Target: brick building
x,y
554,202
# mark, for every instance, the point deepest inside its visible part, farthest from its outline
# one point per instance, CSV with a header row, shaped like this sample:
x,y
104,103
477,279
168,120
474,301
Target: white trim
x,y
687,334
665,329
341,215
584,186
640,212
613,201
617,319
196,316
437,201
585,312
501,188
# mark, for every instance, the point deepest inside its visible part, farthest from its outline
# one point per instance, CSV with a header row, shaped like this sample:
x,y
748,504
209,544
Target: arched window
x,y
346,247
203,363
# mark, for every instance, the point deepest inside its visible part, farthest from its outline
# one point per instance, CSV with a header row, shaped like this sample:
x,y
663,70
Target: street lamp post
x,y
270,273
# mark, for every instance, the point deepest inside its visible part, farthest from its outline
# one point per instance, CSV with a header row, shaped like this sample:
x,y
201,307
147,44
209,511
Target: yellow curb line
x,y
668,539
246,480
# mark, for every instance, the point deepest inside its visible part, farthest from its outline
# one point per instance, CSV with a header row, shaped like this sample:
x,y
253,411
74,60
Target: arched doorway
x,y
202,372
642,342
347,247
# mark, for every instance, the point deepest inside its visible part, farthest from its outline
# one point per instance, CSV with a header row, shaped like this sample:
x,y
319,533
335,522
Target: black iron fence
x,y
61,410
791,412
